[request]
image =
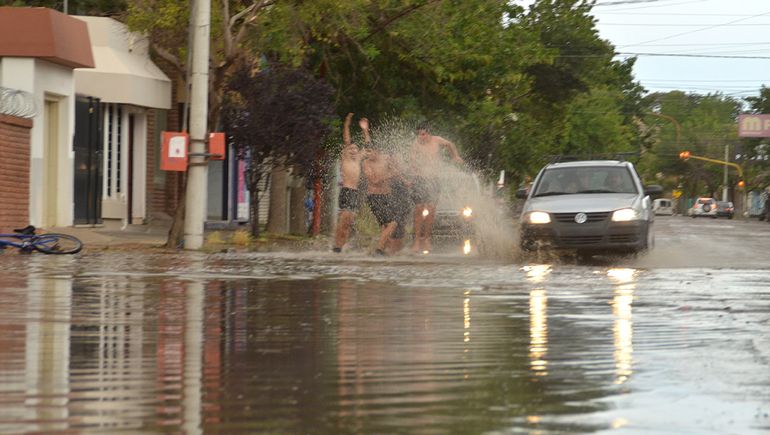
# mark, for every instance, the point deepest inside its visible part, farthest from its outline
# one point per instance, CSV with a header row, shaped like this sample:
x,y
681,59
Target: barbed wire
x,y
17,103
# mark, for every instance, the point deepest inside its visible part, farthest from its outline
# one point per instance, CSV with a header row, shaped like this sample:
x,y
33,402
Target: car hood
x,y
594,202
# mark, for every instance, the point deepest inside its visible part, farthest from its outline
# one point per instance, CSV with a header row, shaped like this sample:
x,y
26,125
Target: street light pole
x,y
197,170
685,155
676,125
724,182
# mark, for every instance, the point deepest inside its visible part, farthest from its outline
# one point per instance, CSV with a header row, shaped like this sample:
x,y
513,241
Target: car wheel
x,y
649,242
583,257
526,246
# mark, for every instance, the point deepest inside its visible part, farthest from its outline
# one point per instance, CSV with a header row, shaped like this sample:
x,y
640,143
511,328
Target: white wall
x,y
46,80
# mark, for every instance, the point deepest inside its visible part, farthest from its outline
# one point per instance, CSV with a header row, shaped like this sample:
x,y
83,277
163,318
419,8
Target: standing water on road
x,y
315,343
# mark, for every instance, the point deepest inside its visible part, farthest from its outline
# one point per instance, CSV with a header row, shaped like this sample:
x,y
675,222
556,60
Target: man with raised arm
x,y
425,158
350,172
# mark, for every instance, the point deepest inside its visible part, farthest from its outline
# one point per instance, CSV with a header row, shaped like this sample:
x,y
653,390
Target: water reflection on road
x,y
310,343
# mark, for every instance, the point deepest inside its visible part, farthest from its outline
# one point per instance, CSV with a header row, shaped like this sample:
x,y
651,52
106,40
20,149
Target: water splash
x,y
467,208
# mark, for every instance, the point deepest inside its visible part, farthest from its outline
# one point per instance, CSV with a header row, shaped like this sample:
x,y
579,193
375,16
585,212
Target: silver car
x,y
591,207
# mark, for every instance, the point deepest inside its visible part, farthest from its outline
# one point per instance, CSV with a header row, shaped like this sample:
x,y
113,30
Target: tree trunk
x,y
297,208
317,205
176,232
277,218
254,208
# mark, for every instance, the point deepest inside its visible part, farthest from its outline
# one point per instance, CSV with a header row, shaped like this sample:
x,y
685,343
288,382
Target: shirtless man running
x,y
379,171
425,166
350,170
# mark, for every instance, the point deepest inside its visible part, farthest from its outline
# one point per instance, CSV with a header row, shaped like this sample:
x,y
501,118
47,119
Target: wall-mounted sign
x,y
217,146
173,152
754,125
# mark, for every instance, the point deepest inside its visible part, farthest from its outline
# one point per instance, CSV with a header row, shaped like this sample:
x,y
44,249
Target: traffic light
x,y
741,184
684,155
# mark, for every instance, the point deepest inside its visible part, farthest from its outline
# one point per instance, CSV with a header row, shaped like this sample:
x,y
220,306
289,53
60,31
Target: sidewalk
x,y
114,234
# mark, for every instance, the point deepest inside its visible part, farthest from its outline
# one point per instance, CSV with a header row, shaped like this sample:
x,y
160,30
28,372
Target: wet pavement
x,y
144,341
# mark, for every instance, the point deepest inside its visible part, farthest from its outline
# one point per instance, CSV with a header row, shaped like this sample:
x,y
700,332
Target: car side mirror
x,y
521,193
653,190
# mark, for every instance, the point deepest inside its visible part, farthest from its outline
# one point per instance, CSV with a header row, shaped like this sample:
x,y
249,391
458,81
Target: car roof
x,y
588,163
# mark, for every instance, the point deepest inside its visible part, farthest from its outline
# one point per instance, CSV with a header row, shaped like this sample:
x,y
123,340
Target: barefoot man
x,y
425,160
350,171
378,169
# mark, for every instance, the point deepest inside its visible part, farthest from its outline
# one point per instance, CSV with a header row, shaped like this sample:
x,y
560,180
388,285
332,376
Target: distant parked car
x,y
458,207
704,207
764,214
725,209
663,206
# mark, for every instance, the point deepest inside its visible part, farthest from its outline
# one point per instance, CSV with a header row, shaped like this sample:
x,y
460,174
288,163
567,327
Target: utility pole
x,y
724,183
197,170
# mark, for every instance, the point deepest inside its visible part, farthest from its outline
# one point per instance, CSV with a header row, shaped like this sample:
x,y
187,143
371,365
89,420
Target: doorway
x,y
88,161
51,166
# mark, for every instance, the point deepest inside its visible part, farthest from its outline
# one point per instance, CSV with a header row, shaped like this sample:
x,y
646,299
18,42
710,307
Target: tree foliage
x,y
278,116
707,124
107,8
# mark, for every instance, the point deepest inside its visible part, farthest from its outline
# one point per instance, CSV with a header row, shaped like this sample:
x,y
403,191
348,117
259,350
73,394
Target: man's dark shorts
x,y
382,208
425,190
348,199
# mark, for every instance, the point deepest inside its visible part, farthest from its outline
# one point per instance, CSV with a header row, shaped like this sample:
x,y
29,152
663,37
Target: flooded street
x,y
673,342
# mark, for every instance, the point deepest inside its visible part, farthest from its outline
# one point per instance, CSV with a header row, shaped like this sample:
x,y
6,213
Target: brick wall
x,y
166,198
14,172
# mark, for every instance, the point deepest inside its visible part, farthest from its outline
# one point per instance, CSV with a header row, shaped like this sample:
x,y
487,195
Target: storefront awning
x,y
123,73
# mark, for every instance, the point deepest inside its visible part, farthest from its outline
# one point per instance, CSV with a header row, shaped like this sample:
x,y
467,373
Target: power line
x,y
701,29
628,2
668,14
715,56
683,24
653,6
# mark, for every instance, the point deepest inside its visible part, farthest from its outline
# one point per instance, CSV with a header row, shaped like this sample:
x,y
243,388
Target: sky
x,y
697,46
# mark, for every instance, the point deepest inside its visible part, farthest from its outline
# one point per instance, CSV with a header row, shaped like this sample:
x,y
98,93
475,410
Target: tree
x,y
166,24
707,125
78,7
277,117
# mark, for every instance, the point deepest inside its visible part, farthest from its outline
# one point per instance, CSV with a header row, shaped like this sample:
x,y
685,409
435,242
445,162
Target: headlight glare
x,y
539,217
625,215
467,212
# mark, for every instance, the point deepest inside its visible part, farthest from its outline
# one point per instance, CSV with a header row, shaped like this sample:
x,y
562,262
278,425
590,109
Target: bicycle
x,y
27,241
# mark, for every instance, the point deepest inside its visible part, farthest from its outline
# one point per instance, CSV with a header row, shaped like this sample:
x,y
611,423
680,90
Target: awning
x,y
124,72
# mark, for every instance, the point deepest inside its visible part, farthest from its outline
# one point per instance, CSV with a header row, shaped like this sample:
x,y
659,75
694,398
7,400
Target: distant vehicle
x,y
764,214
703,207
663,206
725,209
457,208
590,207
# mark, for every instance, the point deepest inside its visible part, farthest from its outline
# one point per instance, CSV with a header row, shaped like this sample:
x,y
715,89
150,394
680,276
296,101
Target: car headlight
x,y
467,212
539,217
625,215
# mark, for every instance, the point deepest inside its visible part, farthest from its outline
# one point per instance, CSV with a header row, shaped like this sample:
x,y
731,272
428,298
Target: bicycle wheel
x,y
57,244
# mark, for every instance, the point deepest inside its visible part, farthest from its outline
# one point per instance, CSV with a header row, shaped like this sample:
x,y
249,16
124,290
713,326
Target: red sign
x,y
173,151
217,146
754,125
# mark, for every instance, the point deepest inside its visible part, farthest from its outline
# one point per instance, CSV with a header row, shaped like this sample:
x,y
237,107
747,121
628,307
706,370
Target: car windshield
x,y
595,179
